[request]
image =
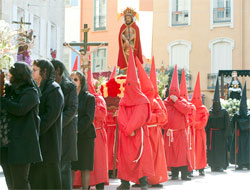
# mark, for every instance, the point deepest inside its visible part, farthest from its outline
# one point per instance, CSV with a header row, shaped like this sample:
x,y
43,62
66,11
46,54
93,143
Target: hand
x,y
132,134
65,44
173,98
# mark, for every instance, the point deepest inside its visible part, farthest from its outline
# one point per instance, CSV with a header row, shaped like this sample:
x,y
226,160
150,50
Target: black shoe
x,y
136,185
201,172
145,187
190,174
174,178
186,178
123,187
239,168
157,186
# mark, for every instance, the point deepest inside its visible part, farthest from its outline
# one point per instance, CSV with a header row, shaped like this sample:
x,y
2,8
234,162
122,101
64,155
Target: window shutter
x,y
43,37
59,43
48,39
14,17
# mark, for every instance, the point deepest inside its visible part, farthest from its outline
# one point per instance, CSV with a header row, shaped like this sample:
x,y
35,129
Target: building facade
x,y
202,36
47,22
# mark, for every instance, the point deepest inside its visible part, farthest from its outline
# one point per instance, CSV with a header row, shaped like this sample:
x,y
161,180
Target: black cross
x,y
22,23
85,42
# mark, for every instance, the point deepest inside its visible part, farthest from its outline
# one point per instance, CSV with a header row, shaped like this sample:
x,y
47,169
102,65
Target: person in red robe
x,y
99,176
129,36
191,122
201,119
176,141
158,118
134,150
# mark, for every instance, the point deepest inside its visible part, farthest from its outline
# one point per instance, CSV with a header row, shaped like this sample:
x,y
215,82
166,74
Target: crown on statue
x,y
129,11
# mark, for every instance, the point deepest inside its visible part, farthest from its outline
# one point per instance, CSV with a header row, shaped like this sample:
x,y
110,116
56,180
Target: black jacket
x,y
86,114
50,111
22,106
69,135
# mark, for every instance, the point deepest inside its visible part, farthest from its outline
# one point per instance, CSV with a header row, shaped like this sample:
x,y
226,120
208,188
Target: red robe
x,y
100,172
191,134
201,119
158,118
122,63
176,141
134,118
110,129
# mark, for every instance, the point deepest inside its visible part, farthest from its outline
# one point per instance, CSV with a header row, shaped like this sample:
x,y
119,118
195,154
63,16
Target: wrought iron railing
x,y
222,14
180,18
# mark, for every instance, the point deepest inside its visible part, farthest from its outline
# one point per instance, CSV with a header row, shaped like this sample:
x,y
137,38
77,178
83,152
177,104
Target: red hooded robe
x,y
158,117
122,63
201,119
134,149
176,143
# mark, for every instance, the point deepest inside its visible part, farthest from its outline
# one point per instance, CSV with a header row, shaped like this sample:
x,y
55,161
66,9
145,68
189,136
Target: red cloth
x,y
100,172
175,138
75,67
158,118
122,63
201,118
133,119
111,130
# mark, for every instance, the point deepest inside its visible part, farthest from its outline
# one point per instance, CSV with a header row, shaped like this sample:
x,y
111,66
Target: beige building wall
x,y
200,34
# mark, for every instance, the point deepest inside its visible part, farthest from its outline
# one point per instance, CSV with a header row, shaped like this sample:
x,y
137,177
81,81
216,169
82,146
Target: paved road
x,y
231,179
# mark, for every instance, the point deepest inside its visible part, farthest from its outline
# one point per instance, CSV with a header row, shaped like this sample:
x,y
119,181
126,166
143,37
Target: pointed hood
x,y
216,101
196,98
174,87
153,77
243,102
132,93
146,84
90,81
183,86
113,73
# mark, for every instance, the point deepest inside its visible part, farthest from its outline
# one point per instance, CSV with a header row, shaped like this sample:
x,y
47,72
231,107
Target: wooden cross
x,y
22,23
85,42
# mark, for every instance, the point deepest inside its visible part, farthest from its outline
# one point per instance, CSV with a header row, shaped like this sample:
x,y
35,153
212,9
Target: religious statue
x,y
84,55
235,87
129,36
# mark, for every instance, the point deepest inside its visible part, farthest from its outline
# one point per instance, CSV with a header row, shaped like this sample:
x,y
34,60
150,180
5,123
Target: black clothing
x,y
69,133
86,132
218,129
237,86
21,104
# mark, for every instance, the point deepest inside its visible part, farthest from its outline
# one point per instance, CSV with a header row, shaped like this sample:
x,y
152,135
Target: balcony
x,y
180,18
222,15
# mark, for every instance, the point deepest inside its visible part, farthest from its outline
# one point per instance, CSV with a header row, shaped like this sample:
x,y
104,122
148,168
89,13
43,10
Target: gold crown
x,y
129,11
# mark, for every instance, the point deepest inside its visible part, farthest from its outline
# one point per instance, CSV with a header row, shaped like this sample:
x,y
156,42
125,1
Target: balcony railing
x,y
222,15
180,18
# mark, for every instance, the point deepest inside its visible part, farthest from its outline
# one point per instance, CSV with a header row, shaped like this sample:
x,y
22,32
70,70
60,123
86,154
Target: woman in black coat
x,y
86,129
46,175
22,104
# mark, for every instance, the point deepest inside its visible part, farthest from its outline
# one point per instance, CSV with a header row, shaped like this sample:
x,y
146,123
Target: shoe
x,y
145,187
220,170
136,185
186,178
157,186
190,174
123,187
174,178
201,172
239,168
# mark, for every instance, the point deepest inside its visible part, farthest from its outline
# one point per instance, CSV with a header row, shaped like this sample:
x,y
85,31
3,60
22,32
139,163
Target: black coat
x,y
69,135
22,106
50,111
218,130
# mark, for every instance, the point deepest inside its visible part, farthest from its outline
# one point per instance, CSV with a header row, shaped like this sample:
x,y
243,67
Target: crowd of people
x,y
60,134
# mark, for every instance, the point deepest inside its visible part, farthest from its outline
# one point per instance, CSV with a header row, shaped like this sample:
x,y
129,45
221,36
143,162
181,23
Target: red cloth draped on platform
x,y
158,117
100,172
175,138
191,120
122,63
201,119
134,149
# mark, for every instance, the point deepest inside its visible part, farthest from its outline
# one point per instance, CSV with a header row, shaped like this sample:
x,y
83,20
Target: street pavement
x,y
229,180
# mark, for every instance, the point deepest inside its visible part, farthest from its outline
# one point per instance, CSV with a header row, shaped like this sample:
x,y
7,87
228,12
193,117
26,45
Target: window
x,y
179,12
100,14
99,61
20,14
53,39
36,29
221,54
222,13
